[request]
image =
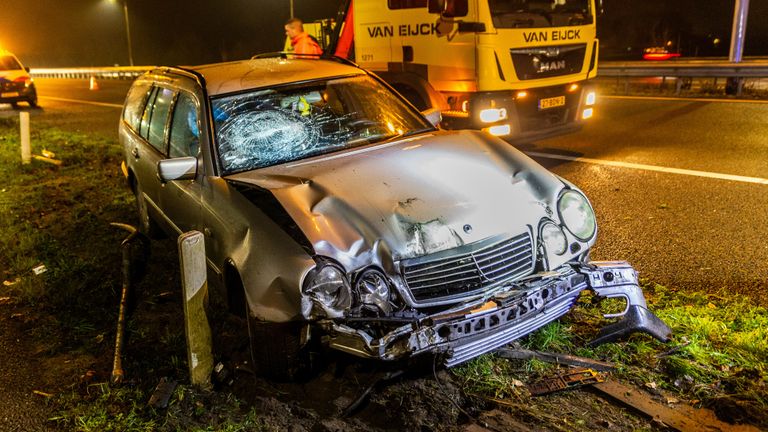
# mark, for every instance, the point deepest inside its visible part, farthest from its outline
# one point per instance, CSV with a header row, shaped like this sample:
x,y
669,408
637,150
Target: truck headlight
x,y
553,238
492,115
374,289
577,214
328,288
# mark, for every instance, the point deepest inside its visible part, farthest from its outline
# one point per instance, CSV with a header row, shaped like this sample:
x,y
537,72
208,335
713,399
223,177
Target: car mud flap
x,y
637,319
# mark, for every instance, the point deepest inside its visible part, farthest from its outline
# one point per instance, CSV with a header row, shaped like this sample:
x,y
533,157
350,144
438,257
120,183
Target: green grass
x,y
719,352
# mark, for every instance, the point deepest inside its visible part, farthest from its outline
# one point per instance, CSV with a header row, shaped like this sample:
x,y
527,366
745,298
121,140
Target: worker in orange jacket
x,y
302,42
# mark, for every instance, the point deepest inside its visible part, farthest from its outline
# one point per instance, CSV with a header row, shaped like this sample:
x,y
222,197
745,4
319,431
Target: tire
x,y
147,225
14,105
32,101
276,350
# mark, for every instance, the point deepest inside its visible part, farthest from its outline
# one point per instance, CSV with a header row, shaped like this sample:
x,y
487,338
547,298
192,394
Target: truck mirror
x,y
449,8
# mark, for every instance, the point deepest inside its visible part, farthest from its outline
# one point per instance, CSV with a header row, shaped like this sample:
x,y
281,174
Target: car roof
x,y
223,78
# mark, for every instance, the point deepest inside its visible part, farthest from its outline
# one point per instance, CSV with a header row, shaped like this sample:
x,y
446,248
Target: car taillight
x,y
23,79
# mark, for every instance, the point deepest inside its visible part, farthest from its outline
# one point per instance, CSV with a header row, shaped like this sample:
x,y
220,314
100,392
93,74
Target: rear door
x,y
152,147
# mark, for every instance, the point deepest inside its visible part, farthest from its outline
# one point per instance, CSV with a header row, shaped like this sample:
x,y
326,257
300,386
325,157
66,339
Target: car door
x,y
180,199
148,150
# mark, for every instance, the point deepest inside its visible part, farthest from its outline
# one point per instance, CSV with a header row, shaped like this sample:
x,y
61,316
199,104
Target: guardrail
x,y
687,69
117,73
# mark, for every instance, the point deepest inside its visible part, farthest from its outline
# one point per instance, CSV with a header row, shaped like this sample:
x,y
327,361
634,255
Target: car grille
x,y
533,63
468,270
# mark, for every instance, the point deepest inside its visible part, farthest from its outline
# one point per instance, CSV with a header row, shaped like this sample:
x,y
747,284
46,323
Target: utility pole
x,y
292,15
738,34
128,31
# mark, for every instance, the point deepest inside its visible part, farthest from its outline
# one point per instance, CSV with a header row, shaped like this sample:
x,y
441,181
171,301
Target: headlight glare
x,y
553,238
577,214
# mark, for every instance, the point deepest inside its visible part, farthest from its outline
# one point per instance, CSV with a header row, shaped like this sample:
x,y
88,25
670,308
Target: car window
x,y
9,63
146,115
159,118
134,105
272,126
185,132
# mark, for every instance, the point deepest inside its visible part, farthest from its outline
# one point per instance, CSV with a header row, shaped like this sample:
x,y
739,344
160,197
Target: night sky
x,y
57,33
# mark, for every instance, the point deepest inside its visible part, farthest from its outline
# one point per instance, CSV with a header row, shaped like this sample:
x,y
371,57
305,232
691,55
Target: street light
x,y
127,29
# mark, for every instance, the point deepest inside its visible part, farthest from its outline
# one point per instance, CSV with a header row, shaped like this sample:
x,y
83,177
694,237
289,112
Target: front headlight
x,y
374,290
329,289
577,214
553,238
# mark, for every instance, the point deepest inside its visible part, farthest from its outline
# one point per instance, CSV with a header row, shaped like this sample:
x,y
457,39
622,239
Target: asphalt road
x,y
694,231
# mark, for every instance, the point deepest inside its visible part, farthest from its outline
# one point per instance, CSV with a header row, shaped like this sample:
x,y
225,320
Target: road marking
x,y
681,99
82,102
644,167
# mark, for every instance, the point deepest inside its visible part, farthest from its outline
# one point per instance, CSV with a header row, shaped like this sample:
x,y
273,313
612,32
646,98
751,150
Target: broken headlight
x,y
328,289
577,214
553,238
374,290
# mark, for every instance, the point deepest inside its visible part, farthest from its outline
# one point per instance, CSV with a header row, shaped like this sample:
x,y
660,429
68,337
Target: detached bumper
x,y
481,326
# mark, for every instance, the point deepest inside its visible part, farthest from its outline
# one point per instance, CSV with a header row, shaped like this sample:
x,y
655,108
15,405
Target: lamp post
x,y
127,29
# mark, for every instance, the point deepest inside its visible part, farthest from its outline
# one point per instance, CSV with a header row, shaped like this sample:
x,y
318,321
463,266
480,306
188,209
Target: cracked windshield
x,y
537,14
274,126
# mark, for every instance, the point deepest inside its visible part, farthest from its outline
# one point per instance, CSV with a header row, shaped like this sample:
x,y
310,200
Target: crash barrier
x,y
685,71
109,73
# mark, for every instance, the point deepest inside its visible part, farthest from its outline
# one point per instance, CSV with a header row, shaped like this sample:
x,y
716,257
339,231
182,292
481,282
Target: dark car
x,y
15,83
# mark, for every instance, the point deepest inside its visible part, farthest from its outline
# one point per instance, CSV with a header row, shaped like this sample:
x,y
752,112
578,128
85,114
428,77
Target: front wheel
x,y
276,349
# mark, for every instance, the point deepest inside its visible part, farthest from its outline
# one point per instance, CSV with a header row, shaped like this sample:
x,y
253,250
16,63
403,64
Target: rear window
x,y
134,104
9,63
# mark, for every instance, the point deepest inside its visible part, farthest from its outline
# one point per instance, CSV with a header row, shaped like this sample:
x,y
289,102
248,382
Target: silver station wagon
x,y
333,210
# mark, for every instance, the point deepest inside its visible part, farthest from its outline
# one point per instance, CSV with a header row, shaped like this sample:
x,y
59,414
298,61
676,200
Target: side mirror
x,y
600,7
433,115
449,8
26,68
183,168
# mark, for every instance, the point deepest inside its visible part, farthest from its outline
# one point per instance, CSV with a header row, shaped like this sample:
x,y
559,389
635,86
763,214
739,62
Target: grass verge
x,y
717,357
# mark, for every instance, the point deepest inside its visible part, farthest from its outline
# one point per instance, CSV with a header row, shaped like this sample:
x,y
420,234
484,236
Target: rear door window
x,y
159,118
134,105
185,130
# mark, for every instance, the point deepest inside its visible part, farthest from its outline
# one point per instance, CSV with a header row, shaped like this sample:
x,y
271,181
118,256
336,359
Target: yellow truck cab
x,y
517,68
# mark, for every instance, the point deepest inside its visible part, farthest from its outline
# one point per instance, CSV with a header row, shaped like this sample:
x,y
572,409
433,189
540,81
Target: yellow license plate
x,y
10,94
551,102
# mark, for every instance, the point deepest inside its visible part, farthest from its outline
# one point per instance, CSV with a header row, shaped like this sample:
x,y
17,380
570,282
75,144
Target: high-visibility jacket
x,y
304,44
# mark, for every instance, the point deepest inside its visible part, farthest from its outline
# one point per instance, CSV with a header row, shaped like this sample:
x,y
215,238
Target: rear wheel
x,y
146,224
32,100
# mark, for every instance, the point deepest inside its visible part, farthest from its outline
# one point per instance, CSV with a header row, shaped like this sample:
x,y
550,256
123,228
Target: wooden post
x,y
195,284
26,147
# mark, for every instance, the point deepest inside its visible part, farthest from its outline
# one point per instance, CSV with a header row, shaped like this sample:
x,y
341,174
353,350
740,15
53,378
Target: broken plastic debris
x,y
43,394
4,300
11,283
39,269
48,154
572,379
162,394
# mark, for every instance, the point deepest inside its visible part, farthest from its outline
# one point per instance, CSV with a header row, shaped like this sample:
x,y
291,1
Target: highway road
x,y
680,186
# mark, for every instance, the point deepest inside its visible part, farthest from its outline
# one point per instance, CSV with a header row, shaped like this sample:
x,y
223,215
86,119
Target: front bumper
x,y
472,329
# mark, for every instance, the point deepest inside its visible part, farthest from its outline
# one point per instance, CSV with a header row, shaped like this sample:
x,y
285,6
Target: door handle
x,y
135,153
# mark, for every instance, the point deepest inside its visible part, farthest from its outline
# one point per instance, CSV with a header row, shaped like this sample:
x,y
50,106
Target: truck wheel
x,y
146,224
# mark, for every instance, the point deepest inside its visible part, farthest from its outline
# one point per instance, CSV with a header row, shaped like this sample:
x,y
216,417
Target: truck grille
x,y
468,270
543,62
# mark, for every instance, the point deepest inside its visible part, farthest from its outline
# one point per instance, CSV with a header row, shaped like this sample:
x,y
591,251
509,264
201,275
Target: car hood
x,y
410,197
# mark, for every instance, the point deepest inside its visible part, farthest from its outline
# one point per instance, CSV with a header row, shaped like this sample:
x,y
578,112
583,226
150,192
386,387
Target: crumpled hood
x,y
411,197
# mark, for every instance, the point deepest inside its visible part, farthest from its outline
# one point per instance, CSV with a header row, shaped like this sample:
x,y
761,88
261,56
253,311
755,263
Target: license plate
x,y
9,94
551,102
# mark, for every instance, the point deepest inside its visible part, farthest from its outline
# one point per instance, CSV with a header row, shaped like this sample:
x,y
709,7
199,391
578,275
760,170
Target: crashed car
x,y
332,209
